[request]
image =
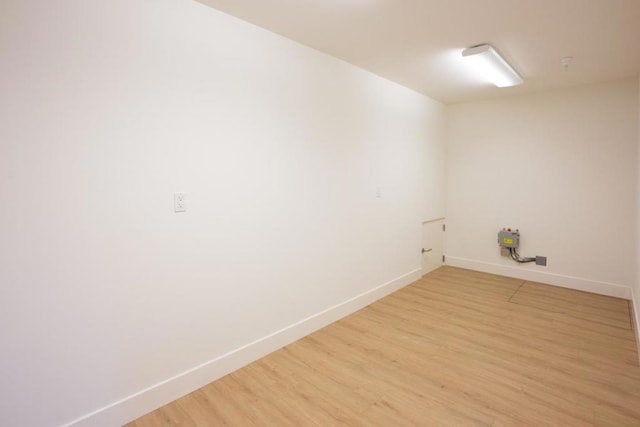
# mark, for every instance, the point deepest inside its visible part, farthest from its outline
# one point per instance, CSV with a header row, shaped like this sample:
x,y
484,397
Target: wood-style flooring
x,y
456,348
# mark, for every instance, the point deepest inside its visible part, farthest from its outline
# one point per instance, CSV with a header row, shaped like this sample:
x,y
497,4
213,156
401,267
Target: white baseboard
x,y
635,312
157,395
578,283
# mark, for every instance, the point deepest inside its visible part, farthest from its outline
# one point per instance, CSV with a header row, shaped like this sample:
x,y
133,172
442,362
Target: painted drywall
x,y
108,108
560,166
636,294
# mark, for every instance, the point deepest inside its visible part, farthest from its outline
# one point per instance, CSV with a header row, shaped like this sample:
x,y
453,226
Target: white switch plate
x,y
179,202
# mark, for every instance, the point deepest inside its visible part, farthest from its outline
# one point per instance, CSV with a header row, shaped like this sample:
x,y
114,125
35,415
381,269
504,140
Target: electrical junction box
x,y
508,238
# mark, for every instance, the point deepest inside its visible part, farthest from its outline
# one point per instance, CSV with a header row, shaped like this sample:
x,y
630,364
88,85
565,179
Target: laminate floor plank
x,y
456,348
579,297
619,318
458,300
526,330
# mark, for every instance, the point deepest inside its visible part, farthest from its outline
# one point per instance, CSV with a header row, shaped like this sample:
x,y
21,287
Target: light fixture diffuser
x,y
492,66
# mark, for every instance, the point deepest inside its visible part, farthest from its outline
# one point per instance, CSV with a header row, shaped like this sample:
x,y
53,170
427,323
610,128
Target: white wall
x,y
108,108
560,166
636,294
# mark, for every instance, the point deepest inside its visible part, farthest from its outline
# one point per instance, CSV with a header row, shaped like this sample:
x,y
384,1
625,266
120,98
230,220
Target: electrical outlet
x,y
541,260
179,202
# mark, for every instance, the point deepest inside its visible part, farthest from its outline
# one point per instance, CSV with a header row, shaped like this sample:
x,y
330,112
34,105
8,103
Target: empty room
x,y
319,213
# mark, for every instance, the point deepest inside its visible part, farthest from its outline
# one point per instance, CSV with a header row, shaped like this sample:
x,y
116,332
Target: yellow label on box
x,y
507,241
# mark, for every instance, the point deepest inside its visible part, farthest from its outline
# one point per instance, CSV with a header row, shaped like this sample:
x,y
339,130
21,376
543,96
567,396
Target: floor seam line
x,y
517,290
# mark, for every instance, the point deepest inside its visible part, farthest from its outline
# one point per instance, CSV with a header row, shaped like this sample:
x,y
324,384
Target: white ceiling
x,y
417,43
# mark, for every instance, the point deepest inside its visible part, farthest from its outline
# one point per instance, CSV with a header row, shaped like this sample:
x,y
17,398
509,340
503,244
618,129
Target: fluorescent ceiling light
x,y
492,66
